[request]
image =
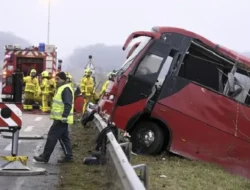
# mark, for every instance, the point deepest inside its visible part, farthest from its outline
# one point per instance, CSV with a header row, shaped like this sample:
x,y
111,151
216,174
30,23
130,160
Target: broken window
x,y
242,86
212,71
205,68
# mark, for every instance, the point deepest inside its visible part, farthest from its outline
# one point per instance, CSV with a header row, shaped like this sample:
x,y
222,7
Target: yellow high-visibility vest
x,y
58,105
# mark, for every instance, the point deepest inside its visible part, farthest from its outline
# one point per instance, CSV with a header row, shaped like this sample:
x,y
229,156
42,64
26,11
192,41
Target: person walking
x,y
62,114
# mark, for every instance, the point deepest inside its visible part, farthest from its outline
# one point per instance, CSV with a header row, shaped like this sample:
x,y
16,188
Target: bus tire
x,y
142,141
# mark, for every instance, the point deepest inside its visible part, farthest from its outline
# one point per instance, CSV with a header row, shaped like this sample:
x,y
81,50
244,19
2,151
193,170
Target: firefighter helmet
x,y
88,72
33,71
45,74
110,74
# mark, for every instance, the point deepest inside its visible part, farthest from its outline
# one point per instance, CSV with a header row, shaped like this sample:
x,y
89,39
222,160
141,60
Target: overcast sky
x,y
77,23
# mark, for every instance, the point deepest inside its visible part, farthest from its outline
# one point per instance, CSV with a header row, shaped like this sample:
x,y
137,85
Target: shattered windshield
x,y
144,41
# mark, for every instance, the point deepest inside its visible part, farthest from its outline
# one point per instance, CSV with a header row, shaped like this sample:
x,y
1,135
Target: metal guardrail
x,y
125,170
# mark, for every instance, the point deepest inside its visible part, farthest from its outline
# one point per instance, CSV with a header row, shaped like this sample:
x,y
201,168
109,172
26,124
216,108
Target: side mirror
x,y
231,82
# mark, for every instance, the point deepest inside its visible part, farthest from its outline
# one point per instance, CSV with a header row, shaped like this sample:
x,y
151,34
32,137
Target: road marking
x,y
8,147
38,118
29,128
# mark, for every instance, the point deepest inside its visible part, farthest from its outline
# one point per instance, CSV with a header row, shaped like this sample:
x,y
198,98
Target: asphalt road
x,y
32,125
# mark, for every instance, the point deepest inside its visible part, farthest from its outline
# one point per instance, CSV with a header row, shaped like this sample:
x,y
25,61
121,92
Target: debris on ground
x,y
76,175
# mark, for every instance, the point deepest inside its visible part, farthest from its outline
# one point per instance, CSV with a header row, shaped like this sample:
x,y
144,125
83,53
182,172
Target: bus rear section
x,y
185,94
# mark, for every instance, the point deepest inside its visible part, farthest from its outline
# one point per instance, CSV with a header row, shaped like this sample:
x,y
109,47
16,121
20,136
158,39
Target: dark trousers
x,y
58,131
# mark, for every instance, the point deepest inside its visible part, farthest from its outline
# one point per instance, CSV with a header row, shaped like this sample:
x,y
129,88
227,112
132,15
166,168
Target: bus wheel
x,y
147,138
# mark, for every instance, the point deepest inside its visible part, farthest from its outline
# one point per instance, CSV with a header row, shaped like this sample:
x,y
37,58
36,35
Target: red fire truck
x,y
25,59
181,92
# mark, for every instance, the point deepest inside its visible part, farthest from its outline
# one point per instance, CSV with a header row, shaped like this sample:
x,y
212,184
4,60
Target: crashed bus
x,y
180,92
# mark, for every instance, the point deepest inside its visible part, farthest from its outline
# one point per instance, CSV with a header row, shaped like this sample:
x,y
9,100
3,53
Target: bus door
x,y
140,83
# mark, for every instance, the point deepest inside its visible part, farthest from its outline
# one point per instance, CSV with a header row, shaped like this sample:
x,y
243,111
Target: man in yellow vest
x,y
31,84
45,91
62,114
87,88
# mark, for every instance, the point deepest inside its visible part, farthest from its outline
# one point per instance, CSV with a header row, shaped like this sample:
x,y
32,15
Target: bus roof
x,y
227,52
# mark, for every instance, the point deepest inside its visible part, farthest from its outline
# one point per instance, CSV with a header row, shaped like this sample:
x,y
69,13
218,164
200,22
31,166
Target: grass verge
x,y
165,172
74,176
174,173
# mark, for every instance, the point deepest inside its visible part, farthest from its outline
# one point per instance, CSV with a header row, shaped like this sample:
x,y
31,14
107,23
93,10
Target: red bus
x,y
181,92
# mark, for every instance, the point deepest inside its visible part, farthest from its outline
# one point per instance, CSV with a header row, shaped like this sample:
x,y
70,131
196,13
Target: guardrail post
x,y
143,173
15,138
127,148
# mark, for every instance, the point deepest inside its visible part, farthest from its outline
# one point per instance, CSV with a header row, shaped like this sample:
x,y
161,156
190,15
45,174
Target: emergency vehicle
x,y
24,60
180,92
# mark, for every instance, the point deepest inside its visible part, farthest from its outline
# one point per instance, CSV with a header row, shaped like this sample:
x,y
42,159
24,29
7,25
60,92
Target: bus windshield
x,y
143,42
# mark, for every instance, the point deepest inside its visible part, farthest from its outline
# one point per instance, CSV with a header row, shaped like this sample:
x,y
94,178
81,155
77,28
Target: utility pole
x,y
48,22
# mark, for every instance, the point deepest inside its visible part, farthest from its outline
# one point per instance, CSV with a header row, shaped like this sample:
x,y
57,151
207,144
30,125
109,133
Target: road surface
x,y
32,125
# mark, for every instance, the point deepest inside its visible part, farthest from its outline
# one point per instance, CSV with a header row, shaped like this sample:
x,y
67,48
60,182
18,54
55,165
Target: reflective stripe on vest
x,y
58,105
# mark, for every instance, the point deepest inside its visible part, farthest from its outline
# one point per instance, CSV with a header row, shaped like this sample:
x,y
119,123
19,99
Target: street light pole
x,y
48,22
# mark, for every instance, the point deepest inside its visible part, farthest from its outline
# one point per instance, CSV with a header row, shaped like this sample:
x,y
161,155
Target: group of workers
x,y
44,90
40,90
62,107
88,85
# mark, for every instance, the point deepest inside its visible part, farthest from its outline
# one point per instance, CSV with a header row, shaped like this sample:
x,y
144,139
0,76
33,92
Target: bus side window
x,y
203,67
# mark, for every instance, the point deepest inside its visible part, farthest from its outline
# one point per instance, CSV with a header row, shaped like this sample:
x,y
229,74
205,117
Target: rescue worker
x,y
45,92
31,86
62,114
52,87
87,88
69,80
111,76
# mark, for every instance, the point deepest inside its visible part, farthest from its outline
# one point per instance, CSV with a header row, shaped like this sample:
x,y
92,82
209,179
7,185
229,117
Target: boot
x,y
41,158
